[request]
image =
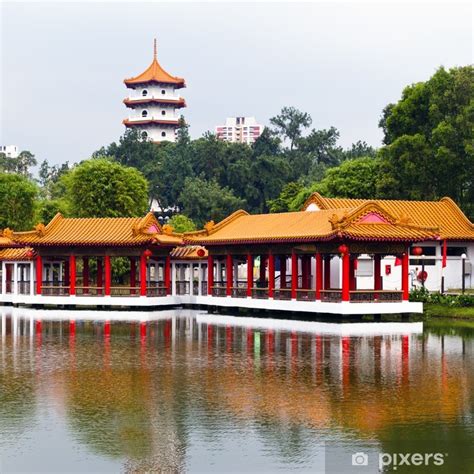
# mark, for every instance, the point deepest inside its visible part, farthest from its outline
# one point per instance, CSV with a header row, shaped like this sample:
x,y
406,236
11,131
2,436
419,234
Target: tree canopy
x,y
17,198
102,188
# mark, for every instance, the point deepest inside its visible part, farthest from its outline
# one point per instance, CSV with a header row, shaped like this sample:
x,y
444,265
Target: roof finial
x,y
154,48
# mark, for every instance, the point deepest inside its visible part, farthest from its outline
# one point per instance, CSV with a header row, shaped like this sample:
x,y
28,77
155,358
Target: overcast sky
x,y
62,65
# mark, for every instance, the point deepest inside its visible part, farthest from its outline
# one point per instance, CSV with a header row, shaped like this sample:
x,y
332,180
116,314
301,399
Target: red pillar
x,y
249,274
282,271
39,274
229,275
327,272
100,272
72,274
168,275
294,274
346,258
319,275
405,265
133,274
377,272
108,275
352,278
142,275
210,274
271,275
85,274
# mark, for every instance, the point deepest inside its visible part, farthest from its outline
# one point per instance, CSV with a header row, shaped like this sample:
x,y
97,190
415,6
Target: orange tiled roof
x,y
240,227
155,73
444,214
120,231
16,254
189,252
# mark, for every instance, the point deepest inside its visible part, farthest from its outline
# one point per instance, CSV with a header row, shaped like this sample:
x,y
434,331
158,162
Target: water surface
x,y
188,391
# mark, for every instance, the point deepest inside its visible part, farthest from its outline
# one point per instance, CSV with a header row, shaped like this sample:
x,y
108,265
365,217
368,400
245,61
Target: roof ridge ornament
x,y
40,229
167,229
209,226
8,233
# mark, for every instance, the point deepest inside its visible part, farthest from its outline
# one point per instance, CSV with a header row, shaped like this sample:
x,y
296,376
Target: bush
x,y
424,296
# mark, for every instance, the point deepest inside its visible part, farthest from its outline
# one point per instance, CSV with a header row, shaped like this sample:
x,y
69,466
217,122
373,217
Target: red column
x,y
271,275
168,275
405,286
100,272
346,263
210,274
85,274
39,274
249,274
72,274
294,274
377,272
108,275
352,279
319,275
327,272
229,275
133,273
282,271
142,275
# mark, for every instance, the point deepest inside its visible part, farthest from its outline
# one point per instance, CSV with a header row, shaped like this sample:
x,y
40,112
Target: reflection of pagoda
x,y
154,102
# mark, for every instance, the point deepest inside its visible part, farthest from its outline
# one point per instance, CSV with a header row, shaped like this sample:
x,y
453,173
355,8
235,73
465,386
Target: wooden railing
x,y
156,290
182,287
239,292
219,290
89,290
305,294
331,295
372,296
259,293
282,293
24,287
54,290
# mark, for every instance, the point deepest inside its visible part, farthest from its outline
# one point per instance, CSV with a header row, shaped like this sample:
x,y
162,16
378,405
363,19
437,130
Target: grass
x,y
432,310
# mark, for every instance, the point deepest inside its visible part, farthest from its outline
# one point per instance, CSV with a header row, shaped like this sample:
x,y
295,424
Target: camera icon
x,y
360,459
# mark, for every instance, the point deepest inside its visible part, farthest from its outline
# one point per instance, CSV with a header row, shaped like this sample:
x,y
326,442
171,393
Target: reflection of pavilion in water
x,y
137,390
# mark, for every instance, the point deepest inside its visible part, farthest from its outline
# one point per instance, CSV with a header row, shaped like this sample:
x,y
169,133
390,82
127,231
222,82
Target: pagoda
x,y
154,102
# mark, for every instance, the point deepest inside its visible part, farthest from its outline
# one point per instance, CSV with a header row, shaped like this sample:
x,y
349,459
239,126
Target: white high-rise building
x,y
154,102
10,151
239,130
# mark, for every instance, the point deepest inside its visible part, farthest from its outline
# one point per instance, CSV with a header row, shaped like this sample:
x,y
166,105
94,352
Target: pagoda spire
x,y
154,48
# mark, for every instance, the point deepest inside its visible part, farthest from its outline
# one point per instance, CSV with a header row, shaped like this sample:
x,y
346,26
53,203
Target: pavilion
x,y
309,262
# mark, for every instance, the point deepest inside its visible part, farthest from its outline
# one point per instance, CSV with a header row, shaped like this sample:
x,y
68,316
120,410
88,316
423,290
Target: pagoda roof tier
x,y
155,74
99,231
131,123
368,222
177,103
444,214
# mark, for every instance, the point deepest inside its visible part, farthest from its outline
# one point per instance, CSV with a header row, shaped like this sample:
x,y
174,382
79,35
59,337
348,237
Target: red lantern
x,y
29,254
343,249
417,251
147,253
201,252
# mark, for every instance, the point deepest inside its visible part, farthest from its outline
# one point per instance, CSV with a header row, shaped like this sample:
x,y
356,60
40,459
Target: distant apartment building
x,y
239,130
10,151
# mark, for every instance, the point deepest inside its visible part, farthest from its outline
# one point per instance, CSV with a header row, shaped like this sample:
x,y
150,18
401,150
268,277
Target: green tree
x,y
182,223
17,197
355,178
429,140
102,188
206,200
20,165
290,123
283,202
321,146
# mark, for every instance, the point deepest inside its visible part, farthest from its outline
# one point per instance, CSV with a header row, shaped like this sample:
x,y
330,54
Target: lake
x,y
188,391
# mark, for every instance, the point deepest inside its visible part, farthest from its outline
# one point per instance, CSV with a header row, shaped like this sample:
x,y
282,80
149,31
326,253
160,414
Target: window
x,y
364,268
144,113
163,112
144,92
456,251
144,135
163,134
163,92
419,262
427,251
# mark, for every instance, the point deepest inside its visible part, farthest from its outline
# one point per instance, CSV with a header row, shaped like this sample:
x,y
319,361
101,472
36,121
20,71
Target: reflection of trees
x,y
17,391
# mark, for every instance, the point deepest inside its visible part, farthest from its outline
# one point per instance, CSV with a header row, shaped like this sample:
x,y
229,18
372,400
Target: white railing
x,y
154,97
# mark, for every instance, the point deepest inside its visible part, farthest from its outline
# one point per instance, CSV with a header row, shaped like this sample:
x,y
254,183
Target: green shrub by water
x,y
423,295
